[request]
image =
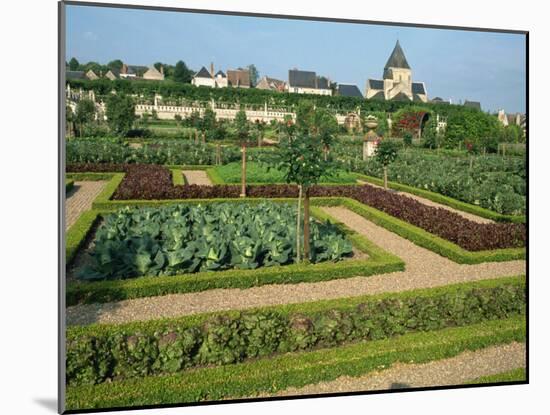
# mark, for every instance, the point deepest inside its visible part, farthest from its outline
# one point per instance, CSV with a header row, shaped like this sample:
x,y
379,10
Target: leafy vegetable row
x,y
180,239
123,353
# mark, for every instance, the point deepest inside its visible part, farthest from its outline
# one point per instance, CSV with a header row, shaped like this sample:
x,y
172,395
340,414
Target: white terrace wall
x,y
168,112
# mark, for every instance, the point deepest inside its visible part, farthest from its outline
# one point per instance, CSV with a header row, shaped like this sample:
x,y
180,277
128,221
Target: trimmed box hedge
x,y
95,354
294,369
77,233
445,200
378,262
69,184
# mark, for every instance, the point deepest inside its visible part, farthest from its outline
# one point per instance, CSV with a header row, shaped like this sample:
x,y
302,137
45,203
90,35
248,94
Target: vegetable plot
x,y
185,239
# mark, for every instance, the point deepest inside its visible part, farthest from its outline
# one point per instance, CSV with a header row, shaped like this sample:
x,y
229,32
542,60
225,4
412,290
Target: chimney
x,y
212,69
124,69
161,70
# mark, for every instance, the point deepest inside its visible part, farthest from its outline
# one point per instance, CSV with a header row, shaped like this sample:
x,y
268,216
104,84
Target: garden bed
x,y
224,338
367,259
257,173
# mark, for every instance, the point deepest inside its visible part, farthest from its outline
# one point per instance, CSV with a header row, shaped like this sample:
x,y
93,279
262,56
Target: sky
x,y
454,64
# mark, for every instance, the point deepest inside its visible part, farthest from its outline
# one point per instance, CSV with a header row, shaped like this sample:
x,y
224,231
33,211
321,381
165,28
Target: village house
x,y
307,82
397,83
112,74
518,119
204,78
271,84
238,78
154,74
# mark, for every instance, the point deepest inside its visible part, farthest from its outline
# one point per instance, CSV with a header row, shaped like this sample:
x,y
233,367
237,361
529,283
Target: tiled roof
x,y
397,58
418,88
348,90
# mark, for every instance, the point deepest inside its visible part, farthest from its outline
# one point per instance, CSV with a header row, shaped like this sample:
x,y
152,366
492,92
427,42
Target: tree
x,y
301,159
241,123
182,73
208,124
85,113
177,118
326,127
254,74
74,64
305,117
115,65
260,127
386,153
120,112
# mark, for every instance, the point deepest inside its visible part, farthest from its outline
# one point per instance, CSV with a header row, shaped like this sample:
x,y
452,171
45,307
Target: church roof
x,y
401,97
375,84
418,88
397,58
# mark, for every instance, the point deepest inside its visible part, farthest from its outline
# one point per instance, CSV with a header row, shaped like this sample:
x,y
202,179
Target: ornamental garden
x,y
213,259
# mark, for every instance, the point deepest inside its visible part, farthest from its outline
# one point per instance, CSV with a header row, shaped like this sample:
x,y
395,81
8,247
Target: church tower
x,y
396,83
397,75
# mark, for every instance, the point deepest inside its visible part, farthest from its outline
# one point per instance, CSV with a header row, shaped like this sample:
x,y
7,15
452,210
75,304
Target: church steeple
x,y
397,58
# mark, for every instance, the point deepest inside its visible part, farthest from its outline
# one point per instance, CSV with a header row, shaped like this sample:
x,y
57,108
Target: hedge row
x,y
281,372
446,200
90,176
69,184
155,182
77,233
378,262
225,339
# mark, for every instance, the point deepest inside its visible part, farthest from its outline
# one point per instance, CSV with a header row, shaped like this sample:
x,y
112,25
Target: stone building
x,y
238,78
204,78
397,83
307,82
154,74
271,84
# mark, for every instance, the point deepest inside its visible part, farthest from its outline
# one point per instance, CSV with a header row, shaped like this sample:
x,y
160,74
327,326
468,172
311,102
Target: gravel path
x,y
197,177
457,370
470,216
80,199
424,269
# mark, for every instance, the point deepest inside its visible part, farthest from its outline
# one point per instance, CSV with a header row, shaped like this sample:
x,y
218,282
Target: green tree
x,y
385,154
301,159
120,112
254,75
305,117
243,133
326,127
182,73
74,65
85,113
115,65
